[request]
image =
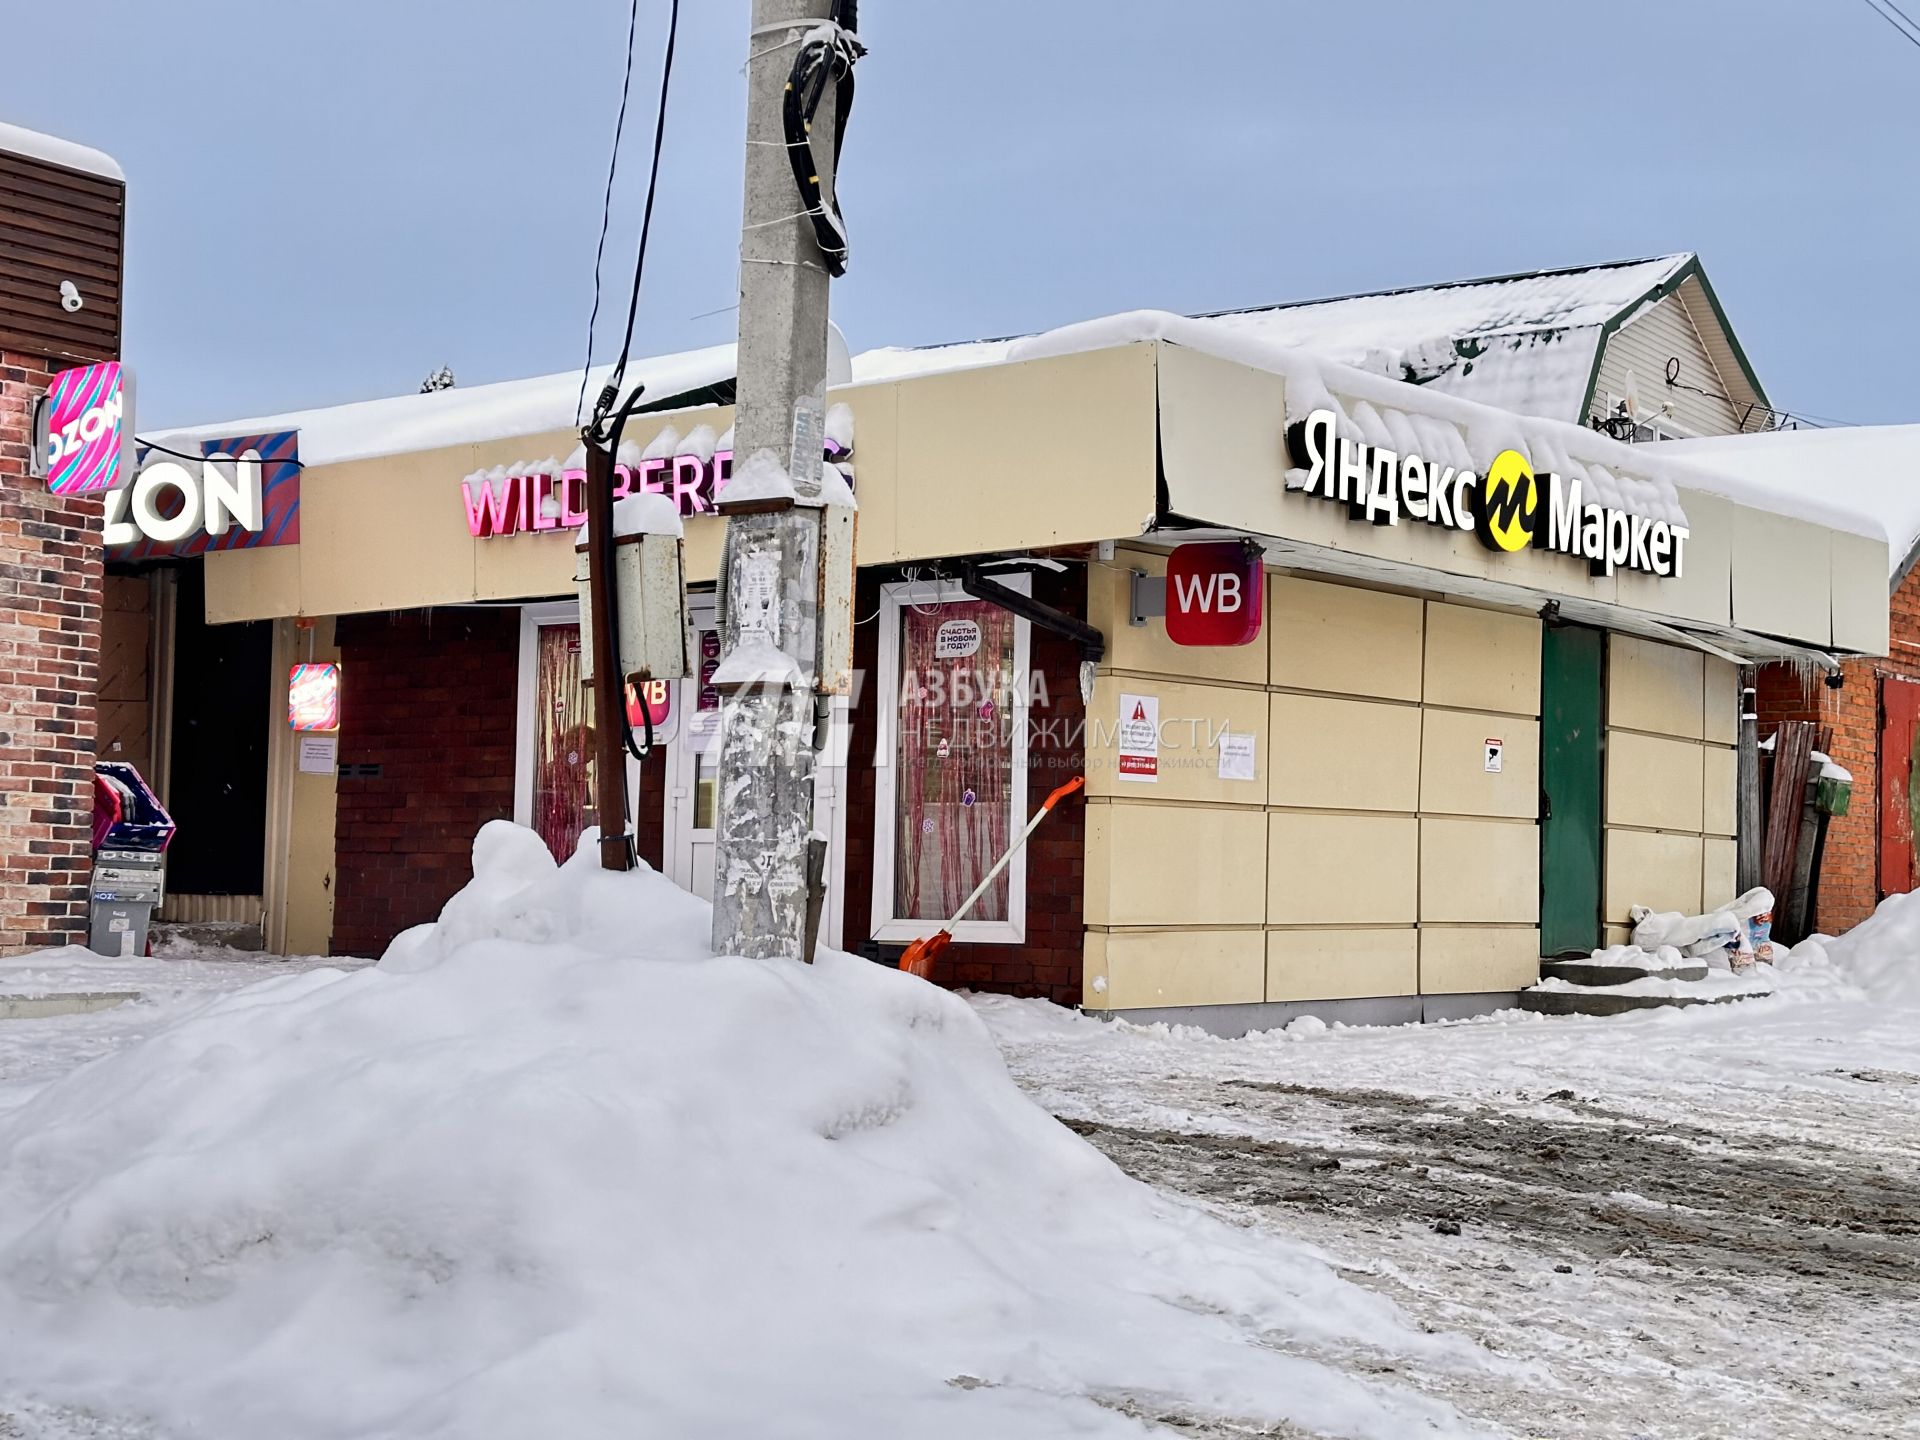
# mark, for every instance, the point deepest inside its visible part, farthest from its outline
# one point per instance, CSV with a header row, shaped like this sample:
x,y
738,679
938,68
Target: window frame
x,y
885,926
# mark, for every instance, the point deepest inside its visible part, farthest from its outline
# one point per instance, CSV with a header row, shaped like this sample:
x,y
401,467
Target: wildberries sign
x,y
89,430
1214,594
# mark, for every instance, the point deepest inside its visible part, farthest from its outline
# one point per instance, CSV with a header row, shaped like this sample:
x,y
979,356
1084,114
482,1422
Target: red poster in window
x,y
1215,594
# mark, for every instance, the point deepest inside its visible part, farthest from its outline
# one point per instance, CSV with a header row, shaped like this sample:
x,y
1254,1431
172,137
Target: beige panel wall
x,y
1336,869
1146,648
1479,872
1339,754
1341,964
1482,660
310,847
1192,718
1143,969
1454,778
1168,865
1466,960
1670,777
1341,640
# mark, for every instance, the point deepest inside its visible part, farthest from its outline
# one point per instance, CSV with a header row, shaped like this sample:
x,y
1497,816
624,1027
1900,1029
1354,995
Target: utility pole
x,y
609,686
770,576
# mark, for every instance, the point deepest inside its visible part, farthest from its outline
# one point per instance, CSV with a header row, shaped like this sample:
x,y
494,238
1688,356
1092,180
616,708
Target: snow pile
x,y
551,1170
762,478
1881,954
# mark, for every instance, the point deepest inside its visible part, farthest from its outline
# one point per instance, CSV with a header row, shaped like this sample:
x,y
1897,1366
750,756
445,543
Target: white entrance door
x,y
693,778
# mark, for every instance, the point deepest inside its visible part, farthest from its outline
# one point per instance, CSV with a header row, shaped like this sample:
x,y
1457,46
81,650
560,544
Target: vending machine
x,y
131,832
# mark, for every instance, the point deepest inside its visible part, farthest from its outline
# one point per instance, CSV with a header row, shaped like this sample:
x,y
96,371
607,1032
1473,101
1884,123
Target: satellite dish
x,y
839,358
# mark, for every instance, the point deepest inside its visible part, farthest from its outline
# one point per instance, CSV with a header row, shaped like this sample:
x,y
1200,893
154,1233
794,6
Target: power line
x,y
606,206
1911,36
1903,15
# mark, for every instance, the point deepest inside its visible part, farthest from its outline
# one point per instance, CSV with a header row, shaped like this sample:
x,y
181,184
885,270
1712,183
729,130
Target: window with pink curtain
x,y
563,741
953,752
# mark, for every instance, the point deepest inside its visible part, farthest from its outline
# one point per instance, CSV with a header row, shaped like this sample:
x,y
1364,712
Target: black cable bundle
x,y
819,60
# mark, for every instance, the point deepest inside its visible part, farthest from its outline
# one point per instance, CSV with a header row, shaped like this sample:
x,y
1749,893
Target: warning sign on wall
x,y
1139,737
1496,753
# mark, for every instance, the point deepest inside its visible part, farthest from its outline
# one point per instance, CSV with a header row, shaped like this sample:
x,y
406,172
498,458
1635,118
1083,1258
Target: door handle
x,y
1546,806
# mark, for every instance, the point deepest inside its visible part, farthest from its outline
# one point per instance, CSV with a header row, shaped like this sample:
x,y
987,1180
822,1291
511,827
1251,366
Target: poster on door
x,y
1139,738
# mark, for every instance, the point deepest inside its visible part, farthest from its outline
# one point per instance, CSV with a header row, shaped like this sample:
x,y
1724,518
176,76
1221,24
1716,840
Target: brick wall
x,y
1048,965
50,584
1850,881
429,696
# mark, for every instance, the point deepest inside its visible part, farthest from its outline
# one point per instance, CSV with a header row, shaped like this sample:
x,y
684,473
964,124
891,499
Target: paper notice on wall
x,y
1496,754
1236,756
1139,737
319,754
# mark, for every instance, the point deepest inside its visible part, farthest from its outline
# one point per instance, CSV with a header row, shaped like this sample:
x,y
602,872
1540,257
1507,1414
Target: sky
x,y
327,203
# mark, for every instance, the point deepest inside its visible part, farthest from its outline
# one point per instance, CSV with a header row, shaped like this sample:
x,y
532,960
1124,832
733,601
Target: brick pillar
x,y
50,591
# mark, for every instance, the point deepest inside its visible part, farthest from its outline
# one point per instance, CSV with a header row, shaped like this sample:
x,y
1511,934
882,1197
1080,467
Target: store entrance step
x,y
1586,972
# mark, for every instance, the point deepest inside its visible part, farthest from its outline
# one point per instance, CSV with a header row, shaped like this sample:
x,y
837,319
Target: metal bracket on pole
x,y
1093,644
1147,595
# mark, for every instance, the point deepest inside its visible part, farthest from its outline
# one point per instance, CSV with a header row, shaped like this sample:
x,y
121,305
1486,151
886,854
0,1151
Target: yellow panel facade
x,y
1654,687
1700,591
1468,960
1017,457
1172,865
1653,781
1479,872
310,848
1719,800
1720,723
1192,719
1659,871
383,534
1717,872
1783,576
1342,639
1146,647
1454,774
1335,754
1341,964
1146,969
1860,612
1482,659
258,584
1342,869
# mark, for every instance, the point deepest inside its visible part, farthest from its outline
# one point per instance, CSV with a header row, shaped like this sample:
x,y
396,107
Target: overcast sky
x,y
329,202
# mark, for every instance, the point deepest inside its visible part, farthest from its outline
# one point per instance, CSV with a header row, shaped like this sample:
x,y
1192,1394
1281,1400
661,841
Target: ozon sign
x,y
168,502
1215,594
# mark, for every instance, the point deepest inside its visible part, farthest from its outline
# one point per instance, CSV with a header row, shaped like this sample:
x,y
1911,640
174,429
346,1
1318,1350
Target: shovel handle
x,y
1061,792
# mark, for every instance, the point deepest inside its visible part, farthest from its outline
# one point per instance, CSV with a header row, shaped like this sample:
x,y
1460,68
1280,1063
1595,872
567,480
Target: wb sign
x,y
1215,594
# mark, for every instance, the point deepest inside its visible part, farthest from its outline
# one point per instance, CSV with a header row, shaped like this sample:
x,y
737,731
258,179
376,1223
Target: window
x,y
951,764
553,783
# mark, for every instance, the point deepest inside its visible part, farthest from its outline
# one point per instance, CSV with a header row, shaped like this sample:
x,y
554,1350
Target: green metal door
x,y
1571,687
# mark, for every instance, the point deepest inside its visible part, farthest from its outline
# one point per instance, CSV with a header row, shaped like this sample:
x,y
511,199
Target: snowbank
x,y
551,1170
1881,954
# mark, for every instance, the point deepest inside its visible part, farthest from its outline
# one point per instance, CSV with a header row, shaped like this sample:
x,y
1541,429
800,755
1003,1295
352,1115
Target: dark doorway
x,y
217,780
1572,686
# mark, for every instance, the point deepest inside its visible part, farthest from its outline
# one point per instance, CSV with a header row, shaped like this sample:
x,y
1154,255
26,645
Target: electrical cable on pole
x,y
600,436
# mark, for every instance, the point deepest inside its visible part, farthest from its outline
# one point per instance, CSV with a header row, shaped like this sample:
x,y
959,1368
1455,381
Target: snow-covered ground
x,y
1675,1224
549,1169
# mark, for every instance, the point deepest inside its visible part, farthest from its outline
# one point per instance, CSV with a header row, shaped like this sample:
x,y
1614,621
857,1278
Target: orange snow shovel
x,y
918,957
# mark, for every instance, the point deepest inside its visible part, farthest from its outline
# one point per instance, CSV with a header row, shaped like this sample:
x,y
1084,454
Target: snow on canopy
x,y
16,140
469,414
1871,469
1524,343
553,1169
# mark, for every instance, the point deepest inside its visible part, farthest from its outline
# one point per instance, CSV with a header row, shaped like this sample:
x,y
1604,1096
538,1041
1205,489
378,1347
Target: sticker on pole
x,y
1139,737
956,639
1496,753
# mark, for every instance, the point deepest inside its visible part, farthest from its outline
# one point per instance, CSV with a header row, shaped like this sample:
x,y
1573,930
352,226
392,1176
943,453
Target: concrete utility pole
x,y
771,579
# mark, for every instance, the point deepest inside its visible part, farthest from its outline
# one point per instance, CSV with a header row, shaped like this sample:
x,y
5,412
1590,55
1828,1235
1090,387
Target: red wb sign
x,y
1215,594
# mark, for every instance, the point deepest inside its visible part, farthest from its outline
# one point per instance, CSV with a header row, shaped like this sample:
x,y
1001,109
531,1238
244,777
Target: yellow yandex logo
x,y
1509,503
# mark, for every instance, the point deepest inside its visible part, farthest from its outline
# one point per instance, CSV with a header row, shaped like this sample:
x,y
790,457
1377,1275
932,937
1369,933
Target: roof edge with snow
x,y
17,140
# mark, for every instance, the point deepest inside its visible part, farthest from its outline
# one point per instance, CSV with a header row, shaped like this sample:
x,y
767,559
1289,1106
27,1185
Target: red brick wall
x,y
50,590
430,697
1048,965
1849,875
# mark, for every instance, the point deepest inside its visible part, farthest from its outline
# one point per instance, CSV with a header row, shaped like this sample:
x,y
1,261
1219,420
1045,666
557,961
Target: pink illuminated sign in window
x,y
313,697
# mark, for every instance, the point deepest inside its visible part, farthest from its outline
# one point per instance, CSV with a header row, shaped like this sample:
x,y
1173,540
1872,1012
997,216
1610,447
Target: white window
x,y
950,786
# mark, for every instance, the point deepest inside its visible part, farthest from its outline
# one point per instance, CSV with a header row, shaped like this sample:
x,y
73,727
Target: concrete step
x,y
51,1007
1602,1002
1585,972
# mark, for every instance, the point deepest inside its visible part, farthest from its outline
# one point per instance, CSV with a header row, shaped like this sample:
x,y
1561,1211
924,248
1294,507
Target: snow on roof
x,y
1641,479
1871,470
1524,343
55,151
400,424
